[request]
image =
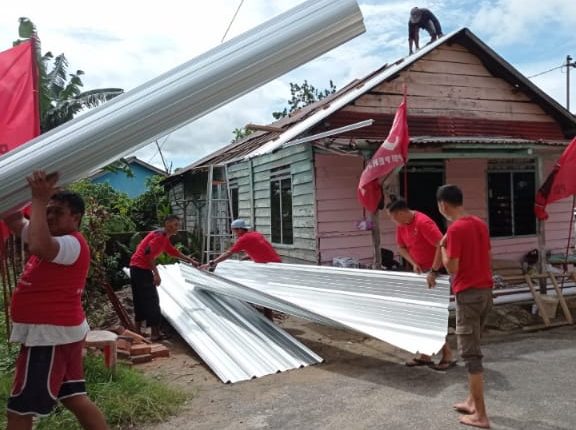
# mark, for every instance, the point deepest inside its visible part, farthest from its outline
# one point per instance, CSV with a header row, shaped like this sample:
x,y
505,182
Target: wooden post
x,y
541,230
375,218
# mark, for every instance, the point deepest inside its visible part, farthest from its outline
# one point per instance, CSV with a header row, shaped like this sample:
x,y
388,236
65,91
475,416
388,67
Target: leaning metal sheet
x,y
232,338
186,93
396,307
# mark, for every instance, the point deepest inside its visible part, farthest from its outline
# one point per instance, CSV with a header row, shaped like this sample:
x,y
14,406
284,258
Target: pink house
x,y
474,121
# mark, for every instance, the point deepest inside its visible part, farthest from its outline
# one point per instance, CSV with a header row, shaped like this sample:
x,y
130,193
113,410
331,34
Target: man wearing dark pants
x,y
418,239
46,309
144,276
466,255
422,18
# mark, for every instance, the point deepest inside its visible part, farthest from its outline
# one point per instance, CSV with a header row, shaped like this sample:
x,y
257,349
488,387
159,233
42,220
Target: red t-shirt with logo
x,y
155,243
420,238
257,247
468,240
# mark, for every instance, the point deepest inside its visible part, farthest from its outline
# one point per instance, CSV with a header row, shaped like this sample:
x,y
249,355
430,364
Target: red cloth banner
x,y
19,116
19,108
560,183
392,153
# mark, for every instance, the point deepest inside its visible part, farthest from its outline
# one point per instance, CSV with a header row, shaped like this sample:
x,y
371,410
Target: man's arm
x,y
188,259
40,241
451,264
406,255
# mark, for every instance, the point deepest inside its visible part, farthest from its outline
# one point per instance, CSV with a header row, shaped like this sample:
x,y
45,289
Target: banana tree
x,y
60,92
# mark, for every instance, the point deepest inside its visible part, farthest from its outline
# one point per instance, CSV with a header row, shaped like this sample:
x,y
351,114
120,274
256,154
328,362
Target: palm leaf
x,y
56,78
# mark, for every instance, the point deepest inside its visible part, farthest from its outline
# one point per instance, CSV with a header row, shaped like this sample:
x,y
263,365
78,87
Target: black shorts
x,y
45,374
145,296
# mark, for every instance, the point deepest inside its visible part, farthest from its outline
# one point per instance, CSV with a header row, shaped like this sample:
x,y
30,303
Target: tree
x,y
241,133
303,95
60,93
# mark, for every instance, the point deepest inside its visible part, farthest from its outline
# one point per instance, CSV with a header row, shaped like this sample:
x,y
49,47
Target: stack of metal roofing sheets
x,y
396,307
235,340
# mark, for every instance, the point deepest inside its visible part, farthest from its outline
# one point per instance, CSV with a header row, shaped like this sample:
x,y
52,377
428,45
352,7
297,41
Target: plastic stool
x,y
106,341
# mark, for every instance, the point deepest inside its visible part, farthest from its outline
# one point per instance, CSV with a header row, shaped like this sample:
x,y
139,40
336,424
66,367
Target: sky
x,y
125,43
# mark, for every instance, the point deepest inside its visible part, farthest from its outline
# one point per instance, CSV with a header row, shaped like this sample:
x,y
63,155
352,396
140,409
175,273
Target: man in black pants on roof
x,y
422,18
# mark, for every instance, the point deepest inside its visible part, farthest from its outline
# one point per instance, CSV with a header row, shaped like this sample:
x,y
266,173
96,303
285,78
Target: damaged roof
x,y
300,122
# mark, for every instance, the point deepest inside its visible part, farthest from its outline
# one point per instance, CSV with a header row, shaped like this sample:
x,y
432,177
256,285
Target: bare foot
x,y
464,408
475,421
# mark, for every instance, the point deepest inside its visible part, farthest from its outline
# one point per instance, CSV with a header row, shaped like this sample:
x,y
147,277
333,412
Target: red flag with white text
x,y
19,108
392,154
560,183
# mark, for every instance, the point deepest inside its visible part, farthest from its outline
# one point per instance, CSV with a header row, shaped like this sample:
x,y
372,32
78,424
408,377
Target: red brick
x,y
159,350
139,359
140,349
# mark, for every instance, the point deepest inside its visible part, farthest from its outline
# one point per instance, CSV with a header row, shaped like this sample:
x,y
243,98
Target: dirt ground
x,y
361,383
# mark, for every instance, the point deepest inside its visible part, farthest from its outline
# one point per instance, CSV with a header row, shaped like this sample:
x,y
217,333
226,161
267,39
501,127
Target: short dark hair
x,y
171,217
396,204
73,200
450,194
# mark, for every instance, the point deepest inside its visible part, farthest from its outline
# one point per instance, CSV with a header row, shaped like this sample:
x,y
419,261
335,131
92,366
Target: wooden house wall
x,y
470,175
253,179
338,211
452,83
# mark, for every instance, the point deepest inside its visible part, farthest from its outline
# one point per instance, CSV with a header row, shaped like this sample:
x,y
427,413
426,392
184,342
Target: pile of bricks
x,y
137,349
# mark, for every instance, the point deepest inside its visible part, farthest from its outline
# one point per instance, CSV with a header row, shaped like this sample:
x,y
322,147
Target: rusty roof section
x,y
464,36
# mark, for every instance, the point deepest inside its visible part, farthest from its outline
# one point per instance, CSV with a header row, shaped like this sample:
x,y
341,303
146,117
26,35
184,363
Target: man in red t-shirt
x,y
46,309
254,244
465,253
144,276
418,239
251,242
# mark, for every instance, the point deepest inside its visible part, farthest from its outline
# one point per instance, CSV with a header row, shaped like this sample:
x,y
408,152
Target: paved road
x,y
530,384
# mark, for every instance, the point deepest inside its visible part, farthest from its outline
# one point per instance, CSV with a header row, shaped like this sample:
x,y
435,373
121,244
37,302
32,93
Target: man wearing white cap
x,y
422,18
251,242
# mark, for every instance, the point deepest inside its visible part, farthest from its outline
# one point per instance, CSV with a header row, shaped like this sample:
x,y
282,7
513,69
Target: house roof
x,y
129,161
303,120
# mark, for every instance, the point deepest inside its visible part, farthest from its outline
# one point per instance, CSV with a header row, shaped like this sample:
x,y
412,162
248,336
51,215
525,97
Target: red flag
x,y
560,183
392,153
19,116
19,109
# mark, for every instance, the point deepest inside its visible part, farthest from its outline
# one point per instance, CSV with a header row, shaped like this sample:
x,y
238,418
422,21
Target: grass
x,y
127,399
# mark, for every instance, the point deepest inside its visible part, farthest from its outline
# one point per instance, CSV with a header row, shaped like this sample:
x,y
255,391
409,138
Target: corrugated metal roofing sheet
x,y
396,307
232,338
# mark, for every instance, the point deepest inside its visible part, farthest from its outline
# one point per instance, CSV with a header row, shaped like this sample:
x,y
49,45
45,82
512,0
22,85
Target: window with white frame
x,y
511,191
281,205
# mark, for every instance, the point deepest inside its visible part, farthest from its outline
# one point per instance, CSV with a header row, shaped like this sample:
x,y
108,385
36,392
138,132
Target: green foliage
x,y
8,352
114,208
303,95
241,133
127,399
61,96
150,208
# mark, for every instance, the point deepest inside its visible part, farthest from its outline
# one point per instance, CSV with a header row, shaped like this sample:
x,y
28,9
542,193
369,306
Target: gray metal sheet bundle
x,y
235,340
396,307
181,95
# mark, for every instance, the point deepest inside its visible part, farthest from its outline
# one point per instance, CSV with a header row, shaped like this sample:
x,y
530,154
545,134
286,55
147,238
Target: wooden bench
x,y
106,341
512,273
